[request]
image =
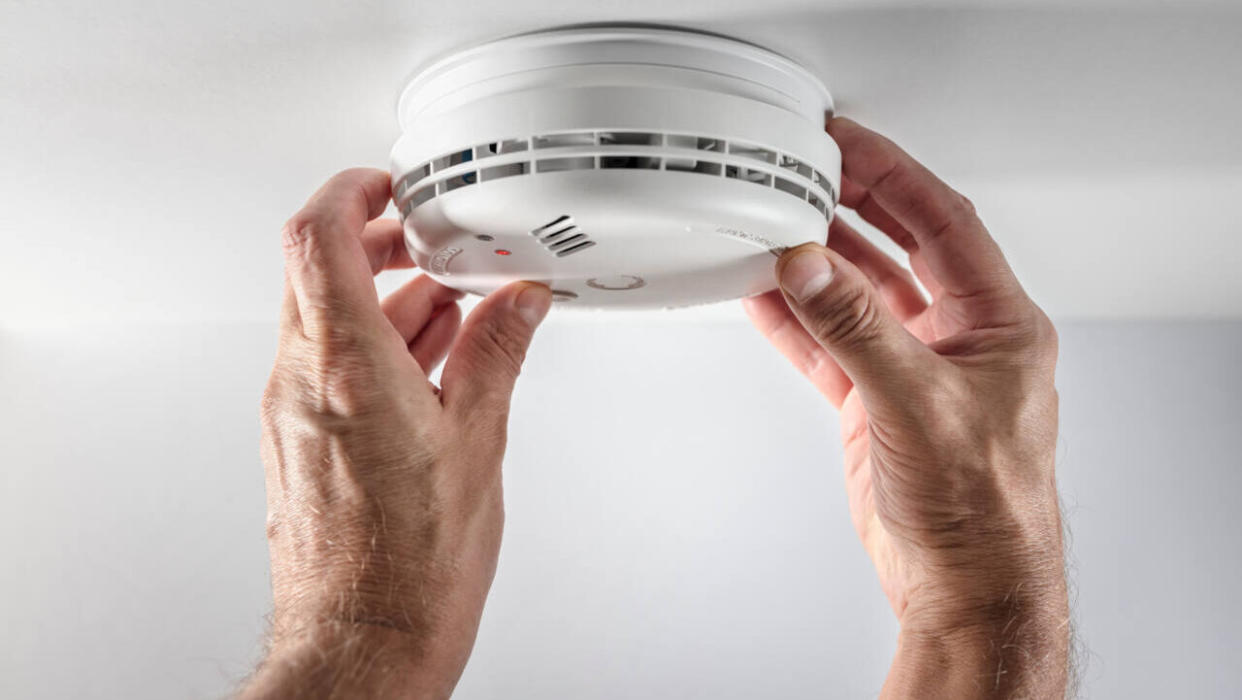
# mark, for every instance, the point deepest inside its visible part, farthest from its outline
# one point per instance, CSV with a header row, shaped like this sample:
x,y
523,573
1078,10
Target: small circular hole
x,y
485,237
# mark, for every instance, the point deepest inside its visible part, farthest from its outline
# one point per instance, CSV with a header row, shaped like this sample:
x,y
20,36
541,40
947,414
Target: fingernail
x,y
806,275
533,303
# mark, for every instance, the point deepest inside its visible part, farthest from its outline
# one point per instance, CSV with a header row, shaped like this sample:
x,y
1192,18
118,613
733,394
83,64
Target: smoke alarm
x,y
624,167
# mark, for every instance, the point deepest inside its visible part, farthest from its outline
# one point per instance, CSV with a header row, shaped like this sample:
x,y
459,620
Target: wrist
x,y
352,659
1014,646
986,577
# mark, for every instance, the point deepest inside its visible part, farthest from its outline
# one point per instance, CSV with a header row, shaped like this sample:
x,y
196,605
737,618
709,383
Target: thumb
x,y
840,309
484,363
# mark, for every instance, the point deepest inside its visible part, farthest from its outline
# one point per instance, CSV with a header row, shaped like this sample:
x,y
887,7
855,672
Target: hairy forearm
x,y
1022,652
349,660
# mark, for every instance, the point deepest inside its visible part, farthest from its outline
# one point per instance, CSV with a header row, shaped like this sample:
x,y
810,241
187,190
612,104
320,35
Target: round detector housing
x,y
623,167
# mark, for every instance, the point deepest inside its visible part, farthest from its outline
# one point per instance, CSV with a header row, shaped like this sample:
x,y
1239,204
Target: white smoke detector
x,y
621,166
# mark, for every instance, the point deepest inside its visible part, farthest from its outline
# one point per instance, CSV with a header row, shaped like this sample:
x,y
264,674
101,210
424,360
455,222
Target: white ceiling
x,y
152,149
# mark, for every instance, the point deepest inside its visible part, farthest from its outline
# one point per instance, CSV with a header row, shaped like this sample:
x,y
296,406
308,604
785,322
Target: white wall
x,y
677,526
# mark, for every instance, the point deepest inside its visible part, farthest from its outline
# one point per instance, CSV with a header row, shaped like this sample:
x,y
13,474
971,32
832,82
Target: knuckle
x,y
273,404
334,375
851,319
298,232
339,335
1046,331
347,382
272,527
503,346
1038,336
333,321
965,206
958,213
1045,325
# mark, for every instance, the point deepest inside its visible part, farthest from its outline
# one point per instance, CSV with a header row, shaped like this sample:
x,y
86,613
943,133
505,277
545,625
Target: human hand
x,y
384,492
949,424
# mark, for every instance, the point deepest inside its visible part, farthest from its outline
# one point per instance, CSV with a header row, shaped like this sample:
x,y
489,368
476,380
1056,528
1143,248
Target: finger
x,y
384,243
859,199
959,251
432,344
411,307
324,258
840,309
894,282
484,363
773,318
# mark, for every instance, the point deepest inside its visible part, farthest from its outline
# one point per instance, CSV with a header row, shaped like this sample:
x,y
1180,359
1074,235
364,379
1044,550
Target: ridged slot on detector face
x,y
577,248
558,234
563,218
562,236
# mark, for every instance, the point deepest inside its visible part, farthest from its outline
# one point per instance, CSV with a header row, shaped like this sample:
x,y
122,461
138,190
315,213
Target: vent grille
x,y
562,236
634,150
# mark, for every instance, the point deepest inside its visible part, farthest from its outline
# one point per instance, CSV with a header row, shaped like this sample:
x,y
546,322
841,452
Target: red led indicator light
x,y
502,251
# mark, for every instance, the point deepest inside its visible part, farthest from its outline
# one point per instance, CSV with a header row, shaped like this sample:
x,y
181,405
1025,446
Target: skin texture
x,y
384,493
949,423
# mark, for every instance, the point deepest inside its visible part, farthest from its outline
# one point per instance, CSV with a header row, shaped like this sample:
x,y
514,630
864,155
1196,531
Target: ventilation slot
x,y
693,165
633,162
816,202
564,140
418,198
551,165
797,166
615,150
791,187
499,148
575,249
446,162
755,152
558,235
688,165
488,174
411,178
421,196
698,143
562,219
629,138
758,177
826,185
572,240
455,182
562,236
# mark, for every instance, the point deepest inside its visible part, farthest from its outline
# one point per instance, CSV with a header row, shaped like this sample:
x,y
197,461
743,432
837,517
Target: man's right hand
x,y
384,493
949,424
